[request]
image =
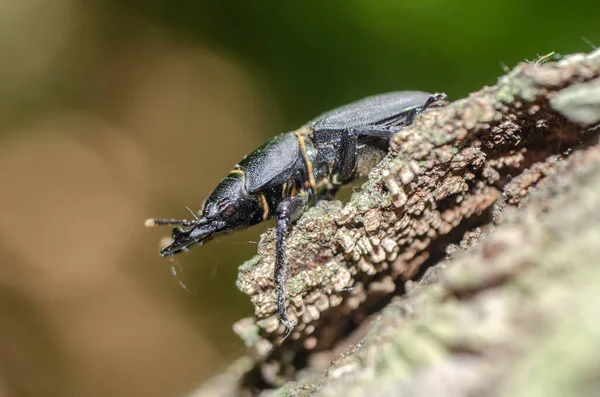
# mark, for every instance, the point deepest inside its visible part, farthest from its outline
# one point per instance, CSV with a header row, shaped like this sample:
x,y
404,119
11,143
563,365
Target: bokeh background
x,y
115,111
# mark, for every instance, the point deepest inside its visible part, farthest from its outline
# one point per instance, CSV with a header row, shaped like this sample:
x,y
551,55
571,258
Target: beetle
x,y
295,169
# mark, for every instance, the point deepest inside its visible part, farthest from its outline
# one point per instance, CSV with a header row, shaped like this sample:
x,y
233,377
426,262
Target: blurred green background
x,y
115,111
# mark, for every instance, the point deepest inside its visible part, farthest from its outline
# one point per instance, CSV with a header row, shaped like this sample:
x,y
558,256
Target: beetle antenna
x,y
152,222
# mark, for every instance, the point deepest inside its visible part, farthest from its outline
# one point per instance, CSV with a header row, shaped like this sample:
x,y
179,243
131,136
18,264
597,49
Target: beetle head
x,y
229,207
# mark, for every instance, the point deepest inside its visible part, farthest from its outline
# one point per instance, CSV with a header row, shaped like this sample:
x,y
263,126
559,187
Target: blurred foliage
x,y
313,55
113,111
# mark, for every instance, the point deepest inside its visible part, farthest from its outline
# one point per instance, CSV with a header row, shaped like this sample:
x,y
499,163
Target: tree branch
x,y
490,203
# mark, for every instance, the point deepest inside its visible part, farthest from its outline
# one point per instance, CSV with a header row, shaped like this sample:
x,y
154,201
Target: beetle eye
x,y
229,210
226,208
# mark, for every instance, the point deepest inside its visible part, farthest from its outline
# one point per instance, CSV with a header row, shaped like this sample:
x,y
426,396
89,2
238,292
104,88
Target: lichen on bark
x,y
480,224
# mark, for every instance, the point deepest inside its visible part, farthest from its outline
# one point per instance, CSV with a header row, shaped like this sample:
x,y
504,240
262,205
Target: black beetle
x,y
295,169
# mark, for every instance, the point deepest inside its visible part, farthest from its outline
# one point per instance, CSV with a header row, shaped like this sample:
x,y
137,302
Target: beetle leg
x,y
327,194
348,142
347,155
287,211
432,99
350,137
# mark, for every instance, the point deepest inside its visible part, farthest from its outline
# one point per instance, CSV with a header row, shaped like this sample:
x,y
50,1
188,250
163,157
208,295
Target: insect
x,y
296,169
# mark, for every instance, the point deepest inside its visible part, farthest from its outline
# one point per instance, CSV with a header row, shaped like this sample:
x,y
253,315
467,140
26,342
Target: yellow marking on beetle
x,y
293,192
311,178
264,204
283,190
237,171
306,131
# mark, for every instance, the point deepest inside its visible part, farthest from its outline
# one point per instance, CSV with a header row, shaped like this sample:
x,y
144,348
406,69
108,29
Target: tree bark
x,y
467,264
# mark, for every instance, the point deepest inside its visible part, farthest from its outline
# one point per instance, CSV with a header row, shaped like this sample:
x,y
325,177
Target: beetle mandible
x,y
295,169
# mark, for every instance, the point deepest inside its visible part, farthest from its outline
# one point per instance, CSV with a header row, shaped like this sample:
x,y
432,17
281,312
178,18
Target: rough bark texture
x,y
466,265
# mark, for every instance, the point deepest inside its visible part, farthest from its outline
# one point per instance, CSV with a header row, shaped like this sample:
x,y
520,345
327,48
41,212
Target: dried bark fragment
x,y
450,177
507,306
